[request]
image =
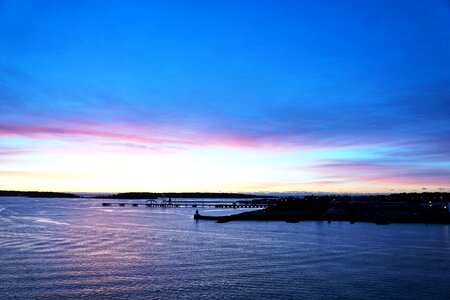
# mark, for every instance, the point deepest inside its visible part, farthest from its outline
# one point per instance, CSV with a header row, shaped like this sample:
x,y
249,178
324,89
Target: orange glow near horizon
x,y
107,168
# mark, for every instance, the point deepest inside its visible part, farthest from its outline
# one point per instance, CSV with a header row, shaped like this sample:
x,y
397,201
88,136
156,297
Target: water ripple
x,y
74,249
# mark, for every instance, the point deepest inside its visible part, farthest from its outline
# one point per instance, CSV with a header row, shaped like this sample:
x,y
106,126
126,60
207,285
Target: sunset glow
x,y
228,96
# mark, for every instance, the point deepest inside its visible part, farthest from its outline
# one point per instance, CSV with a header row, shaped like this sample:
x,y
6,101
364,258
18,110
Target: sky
x,y
225,96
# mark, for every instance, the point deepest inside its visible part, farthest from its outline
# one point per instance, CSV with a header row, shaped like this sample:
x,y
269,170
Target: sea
x,y
78,249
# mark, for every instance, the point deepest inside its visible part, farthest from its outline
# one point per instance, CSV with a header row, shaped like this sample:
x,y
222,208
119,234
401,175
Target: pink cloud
x,y
13,152
378,173
146,136
116,133
38,174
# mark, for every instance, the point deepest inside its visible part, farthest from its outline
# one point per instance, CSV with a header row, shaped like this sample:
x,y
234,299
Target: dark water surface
x,y
71,248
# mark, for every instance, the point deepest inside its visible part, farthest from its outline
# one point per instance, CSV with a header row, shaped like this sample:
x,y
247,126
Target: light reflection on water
x,y
71,248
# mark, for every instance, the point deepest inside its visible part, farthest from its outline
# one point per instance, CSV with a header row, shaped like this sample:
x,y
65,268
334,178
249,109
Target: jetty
x,y
189,203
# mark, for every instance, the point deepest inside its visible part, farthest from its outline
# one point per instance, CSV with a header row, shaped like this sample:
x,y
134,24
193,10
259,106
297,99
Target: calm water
x,y
61,248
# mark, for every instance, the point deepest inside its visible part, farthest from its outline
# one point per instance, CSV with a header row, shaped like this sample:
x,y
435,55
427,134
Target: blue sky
x,y
334,96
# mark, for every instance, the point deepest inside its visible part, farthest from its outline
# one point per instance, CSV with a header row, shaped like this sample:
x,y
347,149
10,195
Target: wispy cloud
x,y
39,174
380,172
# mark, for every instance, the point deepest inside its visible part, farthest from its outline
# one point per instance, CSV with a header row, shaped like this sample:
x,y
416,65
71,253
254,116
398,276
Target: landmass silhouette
x,y
380,209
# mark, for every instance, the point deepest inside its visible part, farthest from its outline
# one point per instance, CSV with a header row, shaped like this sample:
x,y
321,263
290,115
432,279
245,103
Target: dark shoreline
x,y
148,195
35,194
432,208
134,195
297,216
380,209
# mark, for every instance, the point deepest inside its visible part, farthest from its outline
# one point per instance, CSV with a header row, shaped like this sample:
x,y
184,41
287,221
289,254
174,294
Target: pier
x,y
187,203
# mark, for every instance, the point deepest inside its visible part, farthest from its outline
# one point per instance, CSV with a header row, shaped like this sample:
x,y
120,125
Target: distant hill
x,y
34,194
179,195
